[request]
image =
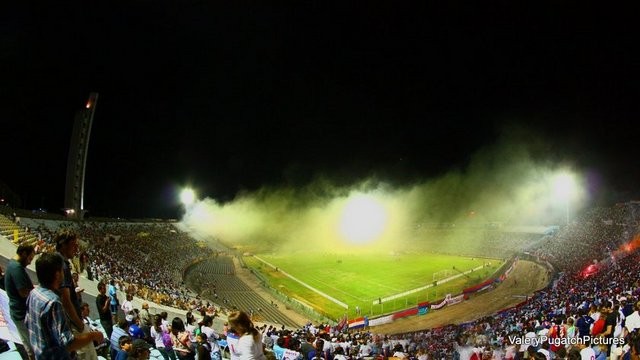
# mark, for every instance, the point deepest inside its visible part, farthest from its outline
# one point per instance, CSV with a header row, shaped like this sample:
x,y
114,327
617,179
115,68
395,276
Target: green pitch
x,y
363,280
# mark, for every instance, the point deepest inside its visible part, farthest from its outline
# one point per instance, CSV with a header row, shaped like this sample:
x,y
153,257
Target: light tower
x,y
76,163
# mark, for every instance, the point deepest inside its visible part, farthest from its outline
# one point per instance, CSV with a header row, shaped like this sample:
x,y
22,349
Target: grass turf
x,y
360,280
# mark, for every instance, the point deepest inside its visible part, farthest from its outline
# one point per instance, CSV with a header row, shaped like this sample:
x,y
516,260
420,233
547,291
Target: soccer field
x,y
363,280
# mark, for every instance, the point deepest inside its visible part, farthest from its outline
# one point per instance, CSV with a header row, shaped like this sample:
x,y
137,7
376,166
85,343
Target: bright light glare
x,y
187,196
564,185
199,214
363,219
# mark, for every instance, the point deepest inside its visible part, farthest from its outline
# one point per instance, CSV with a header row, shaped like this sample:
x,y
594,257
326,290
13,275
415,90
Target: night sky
x,y
231,97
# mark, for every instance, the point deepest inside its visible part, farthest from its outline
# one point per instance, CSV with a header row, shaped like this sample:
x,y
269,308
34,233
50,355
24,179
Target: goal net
x,y
443,274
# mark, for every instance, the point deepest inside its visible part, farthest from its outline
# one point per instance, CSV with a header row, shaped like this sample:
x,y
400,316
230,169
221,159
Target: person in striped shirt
x,y
49,330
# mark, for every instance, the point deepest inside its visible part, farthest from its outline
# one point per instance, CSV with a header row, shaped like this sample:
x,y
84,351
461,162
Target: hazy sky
x,y
234,97
504,184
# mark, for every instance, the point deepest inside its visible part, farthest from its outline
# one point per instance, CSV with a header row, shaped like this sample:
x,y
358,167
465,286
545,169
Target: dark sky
x,y
233,96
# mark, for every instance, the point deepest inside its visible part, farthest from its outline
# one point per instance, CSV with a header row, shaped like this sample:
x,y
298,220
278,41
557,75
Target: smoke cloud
x,y
510,183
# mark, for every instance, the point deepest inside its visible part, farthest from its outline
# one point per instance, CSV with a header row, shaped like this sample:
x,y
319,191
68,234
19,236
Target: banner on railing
x,y
381,320
439,306
510,269
475,288
423,308
455,300
448,300
405,313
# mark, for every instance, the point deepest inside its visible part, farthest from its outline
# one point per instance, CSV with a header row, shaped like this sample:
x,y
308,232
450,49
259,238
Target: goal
x,y
443,274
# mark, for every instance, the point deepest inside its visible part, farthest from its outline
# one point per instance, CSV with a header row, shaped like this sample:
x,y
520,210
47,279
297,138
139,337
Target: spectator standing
x,y
102,304
113,296
145,316
212,336
191,326
339,354
158,334
87,352
584,324
632,321
204,349
125,347
279,349
249,344
127,305
76,282
67,247
180,339
611,313
307,346
49,331
121,329
586,352
18,286
140,350
572,331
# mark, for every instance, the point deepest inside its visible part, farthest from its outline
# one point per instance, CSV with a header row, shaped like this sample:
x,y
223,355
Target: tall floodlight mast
x,y
76,163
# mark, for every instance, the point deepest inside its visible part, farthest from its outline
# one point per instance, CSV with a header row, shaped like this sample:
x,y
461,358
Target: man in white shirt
x,y
632,321
127,305
586,352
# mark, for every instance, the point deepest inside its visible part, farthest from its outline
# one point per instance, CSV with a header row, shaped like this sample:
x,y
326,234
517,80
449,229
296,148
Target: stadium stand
x,y
130,254
472,242
607,235
602,239
8,228
215,278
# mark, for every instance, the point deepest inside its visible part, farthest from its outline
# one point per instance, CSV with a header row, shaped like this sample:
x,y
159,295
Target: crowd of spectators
x,y
593,236
130,254
560,311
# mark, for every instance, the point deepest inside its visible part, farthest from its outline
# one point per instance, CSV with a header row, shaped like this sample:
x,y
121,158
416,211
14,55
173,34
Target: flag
x,y
342,323
359,322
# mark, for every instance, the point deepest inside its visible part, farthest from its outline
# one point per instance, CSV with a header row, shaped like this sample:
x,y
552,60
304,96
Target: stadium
x,y
373,269
363,266
239,181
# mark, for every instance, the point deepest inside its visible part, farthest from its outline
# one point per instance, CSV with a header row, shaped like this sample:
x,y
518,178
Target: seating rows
x,y
8,228
215,279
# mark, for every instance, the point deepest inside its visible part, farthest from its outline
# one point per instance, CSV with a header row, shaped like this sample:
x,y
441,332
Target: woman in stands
x,y
159,338
249,344
180,339
191,326
212,336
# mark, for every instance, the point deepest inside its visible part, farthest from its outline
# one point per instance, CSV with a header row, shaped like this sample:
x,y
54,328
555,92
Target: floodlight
x,y
564,185
363,219
187,196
